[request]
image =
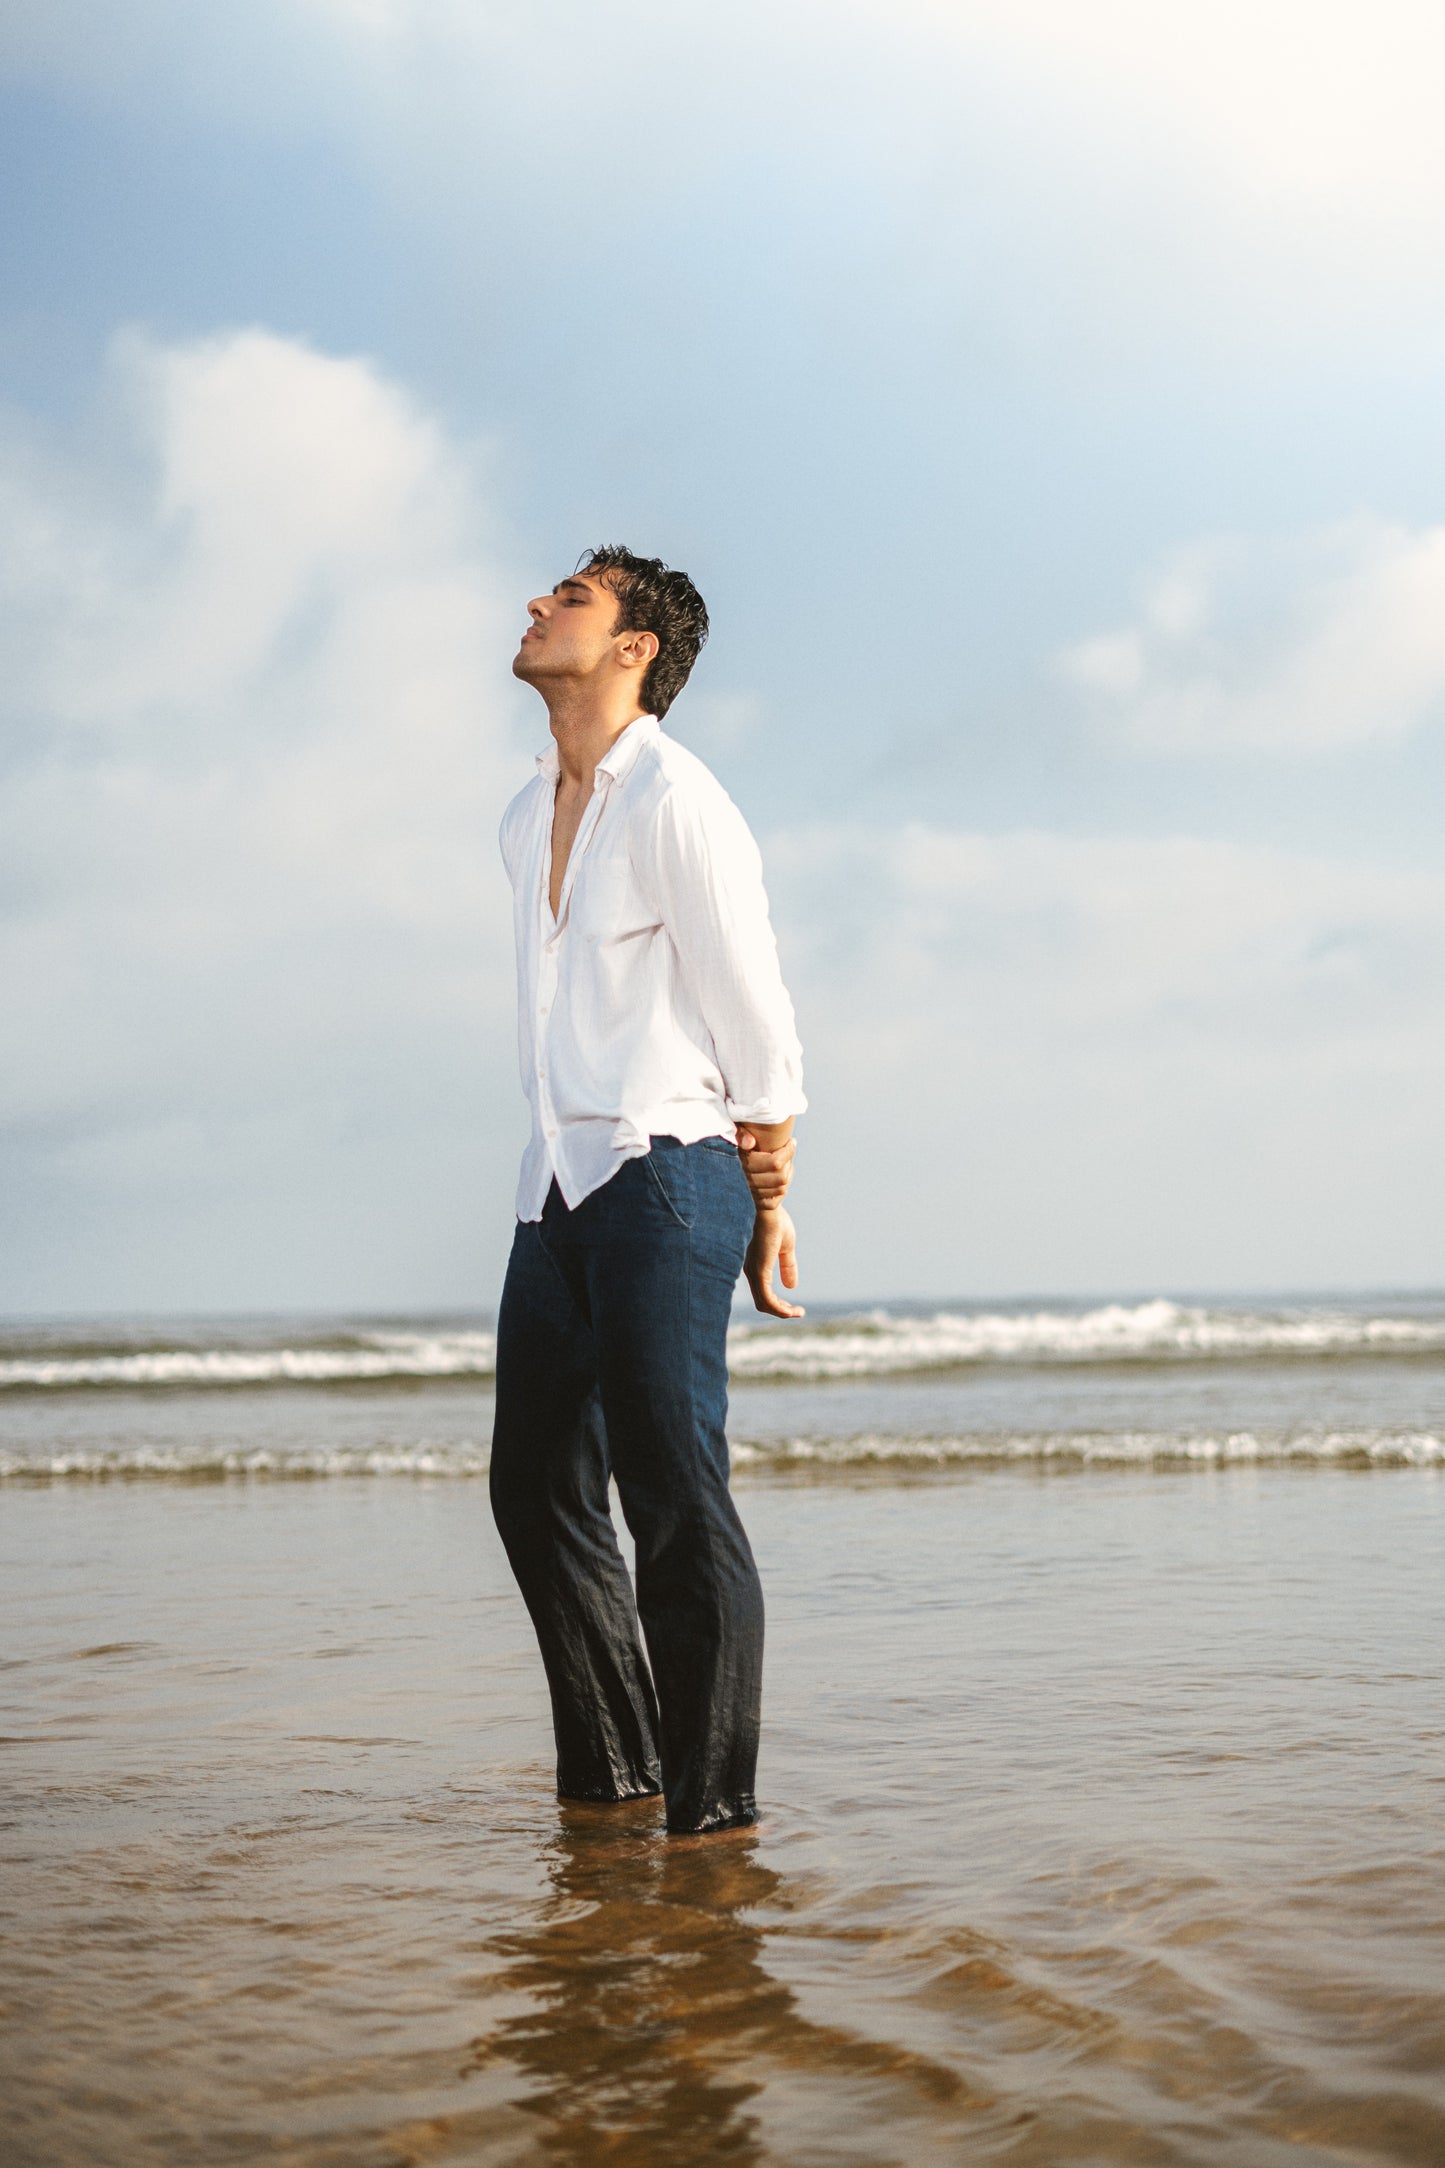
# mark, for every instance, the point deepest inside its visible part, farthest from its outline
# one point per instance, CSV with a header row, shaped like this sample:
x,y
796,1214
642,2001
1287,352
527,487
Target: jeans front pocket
x,y
670,1167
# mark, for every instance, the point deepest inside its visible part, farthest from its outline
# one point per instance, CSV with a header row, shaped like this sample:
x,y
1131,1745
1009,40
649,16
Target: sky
x,y
1046,396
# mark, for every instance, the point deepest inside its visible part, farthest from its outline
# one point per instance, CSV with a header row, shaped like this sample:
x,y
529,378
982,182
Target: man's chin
x,y
524,665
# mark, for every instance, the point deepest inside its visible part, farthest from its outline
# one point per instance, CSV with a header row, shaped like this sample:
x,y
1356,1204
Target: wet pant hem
x,y
728,1814
611,1797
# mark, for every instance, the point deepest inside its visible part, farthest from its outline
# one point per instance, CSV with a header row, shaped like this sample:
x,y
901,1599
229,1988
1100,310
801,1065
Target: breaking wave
x,y
815,1457
1160,1331
876,1343
1354,1448
377,1358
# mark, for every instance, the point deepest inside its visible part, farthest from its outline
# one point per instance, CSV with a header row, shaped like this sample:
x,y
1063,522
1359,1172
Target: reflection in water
x,y
646,1990
652,2022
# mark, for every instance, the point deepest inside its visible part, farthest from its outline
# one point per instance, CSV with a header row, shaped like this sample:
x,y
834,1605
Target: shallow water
x,y
1103,1823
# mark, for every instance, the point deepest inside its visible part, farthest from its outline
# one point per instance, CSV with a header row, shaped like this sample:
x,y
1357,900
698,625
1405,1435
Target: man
x,y
663,1069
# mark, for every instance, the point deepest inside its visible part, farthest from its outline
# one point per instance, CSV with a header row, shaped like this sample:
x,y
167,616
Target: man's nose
x,y
537,607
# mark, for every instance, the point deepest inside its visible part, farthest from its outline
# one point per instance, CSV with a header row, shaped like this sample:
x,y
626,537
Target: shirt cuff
x,y
767,1111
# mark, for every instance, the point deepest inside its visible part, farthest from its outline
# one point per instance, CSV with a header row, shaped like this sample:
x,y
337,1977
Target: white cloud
x,y
1274,152
1285,104
1329,639
251,926
1231,954
1321,115
1096,1062
1298,131
1288,105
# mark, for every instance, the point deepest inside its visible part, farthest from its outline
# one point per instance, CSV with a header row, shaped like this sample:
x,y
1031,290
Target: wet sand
x,y
1103,1824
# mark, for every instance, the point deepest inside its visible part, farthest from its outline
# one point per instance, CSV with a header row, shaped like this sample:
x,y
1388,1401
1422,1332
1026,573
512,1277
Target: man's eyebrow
x,y
571,582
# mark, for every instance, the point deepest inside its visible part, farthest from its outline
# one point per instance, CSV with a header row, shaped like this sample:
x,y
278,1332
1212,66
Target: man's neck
x,y
585,729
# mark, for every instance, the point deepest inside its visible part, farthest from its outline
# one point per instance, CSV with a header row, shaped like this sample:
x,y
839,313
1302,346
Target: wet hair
x,y
651,598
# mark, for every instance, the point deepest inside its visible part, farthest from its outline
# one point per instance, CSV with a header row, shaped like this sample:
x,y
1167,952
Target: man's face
x,y
571,631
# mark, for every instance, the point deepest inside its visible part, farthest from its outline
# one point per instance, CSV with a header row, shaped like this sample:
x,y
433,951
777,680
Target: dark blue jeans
x,y
612,1360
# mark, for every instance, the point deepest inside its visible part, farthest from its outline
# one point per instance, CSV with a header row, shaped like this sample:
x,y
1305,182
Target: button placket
x,y
546,989
551,932
601,782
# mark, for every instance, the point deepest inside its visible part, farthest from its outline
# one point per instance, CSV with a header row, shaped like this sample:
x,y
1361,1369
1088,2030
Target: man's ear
x,y
638,649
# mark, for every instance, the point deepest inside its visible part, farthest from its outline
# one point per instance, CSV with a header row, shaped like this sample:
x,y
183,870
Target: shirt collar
x,y
625,749
627,745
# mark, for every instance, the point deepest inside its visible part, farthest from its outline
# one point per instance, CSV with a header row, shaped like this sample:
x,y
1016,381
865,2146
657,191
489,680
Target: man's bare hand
x,y
767,1162
774,1248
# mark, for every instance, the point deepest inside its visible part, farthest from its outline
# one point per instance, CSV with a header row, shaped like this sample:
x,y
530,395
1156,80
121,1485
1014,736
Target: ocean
x,y
1102,1783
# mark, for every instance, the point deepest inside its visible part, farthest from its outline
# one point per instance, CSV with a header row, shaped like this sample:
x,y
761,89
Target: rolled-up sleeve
x,y
709,883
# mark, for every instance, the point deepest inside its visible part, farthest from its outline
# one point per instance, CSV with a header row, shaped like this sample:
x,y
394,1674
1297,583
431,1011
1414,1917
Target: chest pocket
x,y
608,903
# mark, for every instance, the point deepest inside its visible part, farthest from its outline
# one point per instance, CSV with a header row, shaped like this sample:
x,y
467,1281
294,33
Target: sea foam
x,y
873,1343
819,1457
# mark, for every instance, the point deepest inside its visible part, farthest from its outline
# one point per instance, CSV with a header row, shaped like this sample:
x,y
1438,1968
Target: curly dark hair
x,y
651,598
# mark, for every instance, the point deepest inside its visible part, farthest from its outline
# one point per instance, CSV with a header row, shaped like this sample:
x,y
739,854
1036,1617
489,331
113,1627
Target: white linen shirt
x,y
653,1004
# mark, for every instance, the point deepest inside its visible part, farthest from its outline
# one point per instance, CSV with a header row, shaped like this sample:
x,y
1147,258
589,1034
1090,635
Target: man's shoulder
x,y
514,821
667,772
526,796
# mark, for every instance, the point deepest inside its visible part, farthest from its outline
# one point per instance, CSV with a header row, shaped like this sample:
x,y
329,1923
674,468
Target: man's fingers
x,y
782,1156
773,1305
760,1279
769,1174
773,1247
